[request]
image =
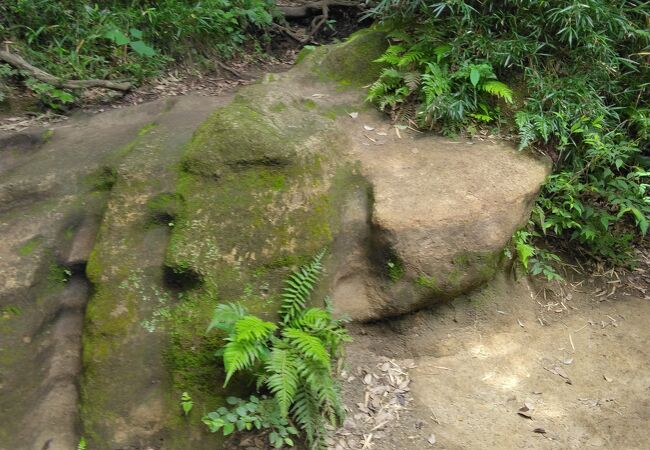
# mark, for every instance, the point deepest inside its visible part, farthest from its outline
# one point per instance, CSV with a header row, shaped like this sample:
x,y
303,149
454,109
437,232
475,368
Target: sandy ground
x,y
576,359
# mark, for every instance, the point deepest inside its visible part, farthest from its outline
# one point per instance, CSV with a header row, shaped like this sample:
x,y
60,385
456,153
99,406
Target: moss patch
x,y
261,184
352,62
28,247
164,208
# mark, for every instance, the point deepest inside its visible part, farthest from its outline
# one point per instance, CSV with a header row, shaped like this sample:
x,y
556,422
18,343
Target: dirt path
x,y
578,361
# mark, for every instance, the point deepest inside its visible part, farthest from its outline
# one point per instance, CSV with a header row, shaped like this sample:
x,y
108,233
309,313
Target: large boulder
x,y
173,220
439,215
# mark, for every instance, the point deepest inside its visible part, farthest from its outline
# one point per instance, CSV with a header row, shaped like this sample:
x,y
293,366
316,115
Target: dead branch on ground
x,y
19,63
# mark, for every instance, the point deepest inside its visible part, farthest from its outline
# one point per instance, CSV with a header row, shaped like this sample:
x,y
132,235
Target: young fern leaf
x,y
240,355
225,316
298,288
308,345
251,328
246,345
499,89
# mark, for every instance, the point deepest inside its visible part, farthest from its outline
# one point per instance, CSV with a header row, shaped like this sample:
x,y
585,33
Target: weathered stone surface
x,y
268,180
442,212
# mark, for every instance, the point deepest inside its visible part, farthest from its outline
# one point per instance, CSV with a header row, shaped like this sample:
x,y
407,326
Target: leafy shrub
x,y
77,39
421,73
579,72
292,361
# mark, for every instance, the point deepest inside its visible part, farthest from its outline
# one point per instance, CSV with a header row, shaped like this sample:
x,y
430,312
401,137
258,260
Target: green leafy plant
x,y
292,360
50,95
76,39
421,73
534,259
186,403
255,413
82,444
576,87
133,40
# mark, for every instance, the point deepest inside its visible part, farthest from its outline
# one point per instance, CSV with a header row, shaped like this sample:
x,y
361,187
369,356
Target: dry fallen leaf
x,y
539,430
526,412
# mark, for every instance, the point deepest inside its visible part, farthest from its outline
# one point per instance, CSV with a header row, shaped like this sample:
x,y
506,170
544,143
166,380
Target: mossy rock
x,y
352,62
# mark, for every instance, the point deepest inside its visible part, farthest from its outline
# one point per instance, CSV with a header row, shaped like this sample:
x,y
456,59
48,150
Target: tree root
x,y
19,63
307,10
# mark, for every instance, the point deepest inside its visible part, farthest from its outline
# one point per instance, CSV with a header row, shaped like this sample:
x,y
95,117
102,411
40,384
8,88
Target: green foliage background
x,y
574,81
127,38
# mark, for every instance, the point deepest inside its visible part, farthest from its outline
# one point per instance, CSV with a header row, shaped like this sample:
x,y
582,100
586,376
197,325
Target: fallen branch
x,y
19,63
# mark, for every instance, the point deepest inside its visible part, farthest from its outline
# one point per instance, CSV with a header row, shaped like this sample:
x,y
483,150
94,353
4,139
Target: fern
x,y
499,89
298,288
239,356
283,378
292,361
251,328
309,345
226,315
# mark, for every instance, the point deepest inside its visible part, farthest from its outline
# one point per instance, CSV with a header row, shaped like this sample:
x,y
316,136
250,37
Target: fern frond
x,y
391,55
298,288
225,316
308,345
410,57
306,413
239,355
252,328
499,89
314,319
283,378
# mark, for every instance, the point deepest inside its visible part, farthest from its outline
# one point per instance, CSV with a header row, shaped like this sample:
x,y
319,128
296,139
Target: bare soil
x,y
573,359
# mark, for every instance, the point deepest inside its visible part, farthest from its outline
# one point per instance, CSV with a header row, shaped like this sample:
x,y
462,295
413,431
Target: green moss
x,y
306,51
57,275
395,270
309,103
47,135
427,281
103,179
28,247
352,62
68,234
245,139
278,107
164,208
147,129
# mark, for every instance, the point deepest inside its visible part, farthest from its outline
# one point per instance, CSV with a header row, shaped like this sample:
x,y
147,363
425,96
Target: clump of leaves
x,y
292,361
77,39
422,73
186,403
255,413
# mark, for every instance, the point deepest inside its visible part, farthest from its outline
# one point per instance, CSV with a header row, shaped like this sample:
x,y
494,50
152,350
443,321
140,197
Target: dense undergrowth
x,y
124,39
569,77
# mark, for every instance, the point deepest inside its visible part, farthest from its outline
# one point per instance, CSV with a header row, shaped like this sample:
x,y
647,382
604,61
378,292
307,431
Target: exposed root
x,y
319,9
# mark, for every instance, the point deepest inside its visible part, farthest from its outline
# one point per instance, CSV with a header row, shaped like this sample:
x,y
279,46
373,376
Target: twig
x,y
19,63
